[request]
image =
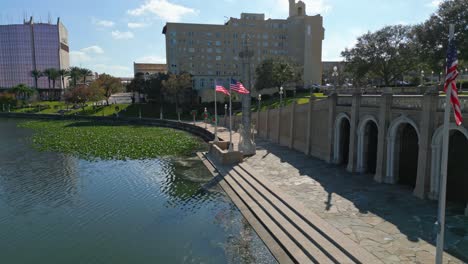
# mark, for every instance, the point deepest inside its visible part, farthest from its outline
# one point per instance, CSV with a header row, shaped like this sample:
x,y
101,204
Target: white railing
x,y
344,100
407,102
370,101
463,104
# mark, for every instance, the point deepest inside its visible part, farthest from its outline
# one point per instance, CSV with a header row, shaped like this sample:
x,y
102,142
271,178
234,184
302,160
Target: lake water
x,y
56,208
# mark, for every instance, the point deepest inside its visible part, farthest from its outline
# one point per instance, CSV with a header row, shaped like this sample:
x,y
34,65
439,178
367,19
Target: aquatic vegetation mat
x,y
92,140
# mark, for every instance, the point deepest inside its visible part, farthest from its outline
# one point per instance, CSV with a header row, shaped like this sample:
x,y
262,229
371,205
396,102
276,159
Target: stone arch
x,y
436,157
361,157
338,137
392,158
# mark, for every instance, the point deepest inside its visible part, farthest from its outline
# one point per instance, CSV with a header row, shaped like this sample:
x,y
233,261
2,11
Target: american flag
x,y
451,80
238,87
221,89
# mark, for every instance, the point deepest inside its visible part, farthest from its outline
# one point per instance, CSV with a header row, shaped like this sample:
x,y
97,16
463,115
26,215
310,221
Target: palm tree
x,y
22,91
63,73
84,73
36,74
48,73
75,74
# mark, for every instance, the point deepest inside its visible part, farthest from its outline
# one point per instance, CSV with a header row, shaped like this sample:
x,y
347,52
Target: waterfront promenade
x,y
386,220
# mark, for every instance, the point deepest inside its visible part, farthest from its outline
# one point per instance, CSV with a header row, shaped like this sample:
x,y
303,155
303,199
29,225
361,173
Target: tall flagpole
x,y
230,116
216,116
443,171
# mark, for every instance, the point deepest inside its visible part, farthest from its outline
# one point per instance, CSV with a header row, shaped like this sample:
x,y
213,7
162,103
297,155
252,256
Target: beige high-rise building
x,y
149,68
213,52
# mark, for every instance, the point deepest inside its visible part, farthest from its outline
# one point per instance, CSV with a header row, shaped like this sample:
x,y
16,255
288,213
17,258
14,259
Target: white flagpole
x,y
443,171
230,116
216,117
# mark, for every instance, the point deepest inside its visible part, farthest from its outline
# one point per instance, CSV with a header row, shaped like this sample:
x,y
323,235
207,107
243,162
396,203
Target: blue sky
x,y
109,35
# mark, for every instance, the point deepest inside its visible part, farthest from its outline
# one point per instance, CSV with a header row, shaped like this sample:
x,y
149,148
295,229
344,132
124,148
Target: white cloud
x,y
78,57
83,55
103,23
151,59
122,35
164,9
115,70
93,49
337,42
136,25
434,3
312,6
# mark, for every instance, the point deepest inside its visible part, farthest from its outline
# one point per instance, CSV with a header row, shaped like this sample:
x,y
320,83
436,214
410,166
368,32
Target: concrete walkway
x,y
387,220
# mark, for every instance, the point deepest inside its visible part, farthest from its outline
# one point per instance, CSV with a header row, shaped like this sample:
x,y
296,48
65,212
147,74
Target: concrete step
x,y
316,241
270,241
281,235
299,235
334,237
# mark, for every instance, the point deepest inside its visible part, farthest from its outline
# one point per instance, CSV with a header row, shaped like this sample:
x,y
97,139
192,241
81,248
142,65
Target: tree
x,y
107,85
36,74
22,92
63,73
75,74
274,73
47,73
176,85
154,88
80,95
53,75
385,54
432,35
85,73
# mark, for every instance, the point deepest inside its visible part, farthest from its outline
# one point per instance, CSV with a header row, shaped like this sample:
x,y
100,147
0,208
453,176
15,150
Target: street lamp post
x,y
281,96
246,145
205,116
432,77
259,102
440,77
225,114
422,77
335,75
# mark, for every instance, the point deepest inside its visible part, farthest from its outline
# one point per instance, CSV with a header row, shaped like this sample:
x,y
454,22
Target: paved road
x,y
387,220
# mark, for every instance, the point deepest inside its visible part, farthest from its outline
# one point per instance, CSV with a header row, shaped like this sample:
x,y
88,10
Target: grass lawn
x,y
303,98
91,140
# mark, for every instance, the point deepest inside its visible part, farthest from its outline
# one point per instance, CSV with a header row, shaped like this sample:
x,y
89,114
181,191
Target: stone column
x,y
355,107
426,127
385,112
332,101
291,125
309,125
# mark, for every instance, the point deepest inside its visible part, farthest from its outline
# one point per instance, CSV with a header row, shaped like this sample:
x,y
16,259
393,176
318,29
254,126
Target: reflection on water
x,y
55,208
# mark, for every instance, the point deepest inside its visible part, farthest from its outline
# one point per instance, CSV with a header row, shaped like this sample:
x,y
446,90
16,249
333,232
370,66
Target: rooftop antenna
x,y
49,20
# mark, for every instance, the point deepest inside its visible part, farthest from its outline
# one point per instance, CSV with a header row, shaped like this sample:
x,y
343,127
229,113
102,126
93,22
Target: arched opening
x,y
406,155
344,142
299,11
457,180
370,147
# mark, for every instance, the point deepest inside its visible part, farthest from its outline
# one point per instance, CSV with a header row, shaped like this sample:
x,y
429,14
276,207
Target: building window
x,y
218,43
209,50
218,58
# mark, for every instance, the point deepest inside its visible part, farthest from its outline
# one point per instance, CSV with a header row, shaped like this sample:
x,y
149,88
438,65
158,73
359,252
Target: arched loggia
x,y
341,142
402,152
457,180
367,145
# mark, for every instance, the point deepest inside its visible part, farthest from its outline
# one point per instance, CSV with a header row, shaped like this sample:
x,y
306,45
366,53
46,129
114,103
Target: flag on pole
x,y
221,89
451,80
238,87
